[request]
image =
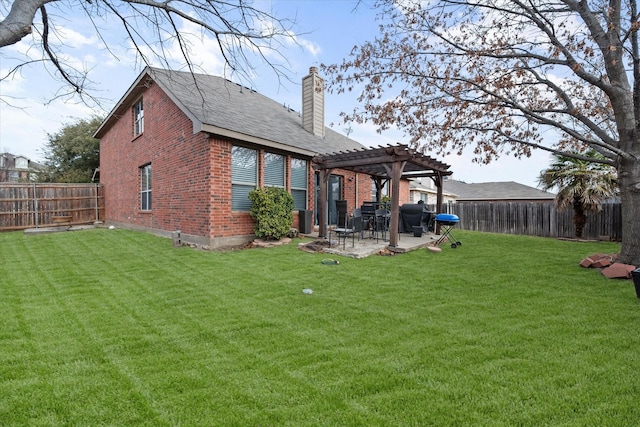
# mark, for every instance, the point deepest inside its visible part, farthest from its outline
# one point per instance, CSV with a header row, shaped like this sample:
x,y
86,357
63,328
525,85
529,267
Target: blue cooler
x,y
447,219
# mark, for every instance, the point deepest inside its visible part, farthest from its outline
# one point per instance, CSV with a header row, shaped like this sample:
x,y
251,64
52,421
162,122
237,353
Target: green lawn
x,y
114,327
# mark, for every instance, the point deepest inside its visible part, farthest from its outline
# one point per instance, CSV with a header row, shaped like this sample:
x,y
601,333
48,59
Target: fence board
x,y
25,205
536,219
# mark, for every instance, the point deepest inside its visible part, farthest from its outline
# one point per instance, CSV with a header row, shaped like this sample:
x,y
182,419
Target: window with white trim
x,y
145,187
138,118
244,177
299,183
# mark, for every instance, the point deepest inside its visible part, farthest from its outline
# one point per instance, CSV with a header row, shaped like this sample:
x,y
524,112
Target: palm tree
x,y
582,184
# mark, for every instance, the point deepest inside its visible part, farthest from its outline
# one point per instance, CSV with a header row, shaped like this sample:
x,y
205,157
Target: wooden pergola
x,y
391,163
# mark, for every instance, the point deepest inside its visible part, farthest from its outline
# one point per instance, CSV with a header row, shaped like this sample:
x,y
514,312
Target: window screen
x,y
299,183
274,170
244,177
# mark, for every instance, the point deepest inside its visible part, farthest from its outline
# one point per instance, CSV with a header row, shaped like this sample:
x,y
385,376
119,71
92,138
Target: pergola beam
x,y
373,158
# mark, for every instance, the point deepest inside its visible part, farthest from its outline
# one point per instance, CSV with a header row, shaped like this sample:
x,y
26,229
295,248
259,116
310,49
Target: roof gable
x,y
220,106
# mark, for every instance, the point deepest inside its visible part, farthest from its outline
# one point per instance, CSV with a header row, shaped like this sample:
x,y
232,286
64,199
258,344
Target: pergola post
x,y
396,175
439,184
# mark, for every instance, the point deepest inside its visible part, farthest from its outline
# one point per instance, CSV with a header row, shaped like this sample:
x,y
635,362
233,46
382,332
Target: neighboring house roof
x,y
222,107
416,185
507,190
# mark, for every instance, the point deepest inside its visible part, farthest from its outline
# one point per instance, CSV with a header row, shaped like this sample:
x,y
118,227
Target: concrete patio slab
x,y
57,229
363,248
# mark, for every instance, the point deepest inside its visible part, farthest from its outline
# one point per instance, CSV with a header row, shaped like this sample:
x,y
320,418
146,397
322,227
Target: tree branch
x,y
52,56
242,32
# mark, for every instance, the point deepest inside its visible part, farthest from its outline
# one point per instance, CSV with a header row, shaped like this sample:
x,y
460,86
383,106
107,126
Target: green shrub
x,y
272,210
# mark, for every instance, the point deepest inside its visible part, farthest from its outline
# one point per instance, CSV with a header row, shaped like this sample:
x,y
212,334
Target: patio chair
x,y
354,227
381,223
358,223
367,210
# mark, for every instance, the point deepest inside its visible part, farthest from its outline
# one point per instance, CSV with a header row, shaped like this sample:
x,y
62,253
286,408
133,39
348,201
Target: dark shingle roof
x,y
508,190
217,102
217,105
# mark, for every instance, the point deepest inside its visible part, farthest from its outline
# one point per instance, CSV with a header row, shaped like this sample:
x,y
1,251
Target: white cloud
x,y
24,130
314,49
13,86
74,39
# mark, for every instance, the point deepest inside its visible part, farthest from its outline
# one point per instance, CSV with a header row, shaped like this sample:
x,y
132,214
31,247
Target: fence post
x,y
35,207
97,210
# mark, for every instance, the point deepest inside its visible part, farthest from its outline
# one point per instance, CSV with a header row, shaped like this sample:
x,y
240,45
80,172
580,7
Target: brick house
x,y
209,142
426,191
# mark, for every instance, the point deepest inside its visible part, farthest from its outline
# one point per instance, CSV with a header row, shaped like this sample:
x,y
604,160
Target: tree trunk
x,y
579,221
629,180
579,218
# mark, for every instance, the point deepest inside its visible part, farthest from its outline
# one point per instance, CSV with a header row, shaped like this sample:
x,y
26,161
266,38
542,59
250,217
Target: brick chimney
x,y
313,103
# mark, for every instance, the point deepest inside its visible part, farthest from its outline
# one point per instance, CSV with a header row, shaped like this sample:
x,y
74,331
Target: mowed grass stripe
x,y
73,371
504,330
160,340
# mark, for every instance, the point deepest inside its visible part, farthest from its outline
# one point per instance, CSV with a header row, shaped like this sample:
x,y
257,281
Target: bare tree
x,y
242,32
498,77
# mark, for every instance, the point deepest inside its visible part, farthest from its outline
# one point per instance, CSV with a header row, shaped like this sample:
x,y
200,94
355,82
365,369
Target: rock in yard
x,y
618,270
598,260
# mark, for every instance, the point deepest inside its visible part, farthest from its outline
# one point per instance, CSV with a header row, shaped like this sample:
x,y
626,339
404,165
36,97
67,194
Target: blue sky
x,y
326,31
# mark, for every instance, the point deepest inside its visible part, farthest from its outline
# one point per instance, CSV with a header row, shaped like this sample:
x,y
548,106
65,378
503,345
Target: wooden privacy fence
x,y
537,219
24,205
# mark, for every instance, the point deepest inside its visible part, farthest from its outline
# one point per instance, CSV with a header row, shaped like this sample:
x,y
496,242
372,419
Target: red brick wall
x,y
224,222
179,164
191,175
405,194
364,189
